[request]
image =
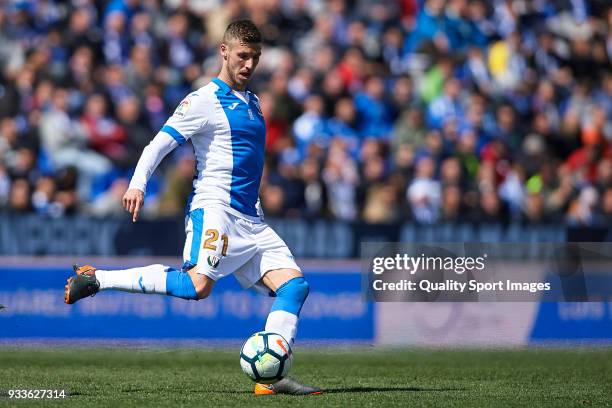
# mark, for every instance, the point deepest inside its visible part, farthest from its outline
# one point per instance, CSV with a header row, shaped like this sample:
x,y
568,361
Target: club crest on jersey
x,y
183,107
213,261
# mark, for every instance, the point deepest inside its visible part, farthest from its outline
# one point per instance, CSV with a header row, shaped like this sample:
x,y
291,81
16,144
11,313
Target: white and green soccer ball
x,y
266,357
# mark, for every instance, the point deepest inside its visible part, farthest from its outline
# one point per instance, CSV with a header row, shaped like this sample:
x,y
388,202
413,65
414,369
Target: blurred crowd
x,y
379,111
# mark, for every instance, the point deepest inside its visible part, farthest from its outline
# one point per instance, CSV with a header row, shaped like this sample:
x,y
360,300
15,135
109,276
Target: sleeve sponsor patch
x,y
183,107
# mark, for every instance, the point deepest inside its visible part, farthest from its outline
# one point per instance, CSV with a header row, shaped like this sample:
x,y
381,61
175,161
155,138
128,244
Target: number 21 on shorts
x,y
212,237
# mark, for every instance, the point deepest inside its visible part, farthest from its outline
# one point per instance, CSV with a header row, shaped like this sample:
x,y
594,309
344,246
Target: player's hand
x,y
132,202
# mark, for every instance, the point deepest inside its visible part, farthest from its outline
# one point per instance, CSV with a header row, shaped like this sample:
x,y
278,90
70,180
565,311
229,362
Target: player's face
x,y
240,61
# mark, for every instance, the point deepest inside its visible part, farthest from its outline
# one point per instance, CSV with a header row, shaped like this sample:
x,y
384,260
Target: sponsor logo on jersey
x,y
233,106
183,107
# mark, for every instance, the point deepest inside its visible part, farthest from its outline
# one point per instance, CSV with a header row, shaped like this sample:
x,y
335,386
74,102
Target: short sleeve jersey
x,y
228,134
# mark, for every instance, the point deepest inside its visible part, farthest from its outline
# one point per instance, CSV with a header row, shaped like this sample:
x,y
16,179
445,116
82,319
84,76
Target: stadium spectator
x,y
315,192
109,202
534,211
514,96
342,125
286,176
273,200
583,209
373,110
19,198
103,133
372,177
491,209
178,185
43,195
309,127
429,28
446,106
382,205
129,116
451,210
341,179
67,200
65,143
424,193
409,129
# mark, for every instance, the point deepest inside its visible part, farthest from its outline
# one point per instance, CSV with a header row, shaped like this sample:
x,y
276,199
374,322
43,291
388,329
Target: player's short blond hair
x,y
245,31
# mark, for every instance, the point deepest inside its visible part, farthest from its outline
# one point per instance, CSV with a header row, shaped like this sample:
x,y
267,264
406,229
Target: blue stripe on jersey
x,y
248,134
193,182
176,135
197,223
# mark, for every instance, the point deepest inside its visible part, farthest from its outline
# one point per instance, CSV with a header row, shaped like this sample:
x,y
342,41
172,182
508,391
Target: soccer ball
x,y
266,357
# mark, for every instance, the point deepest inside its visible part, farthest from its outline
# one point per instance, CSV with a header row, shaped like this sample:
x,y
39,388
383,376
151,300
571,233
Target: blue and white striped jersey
x,y
228,133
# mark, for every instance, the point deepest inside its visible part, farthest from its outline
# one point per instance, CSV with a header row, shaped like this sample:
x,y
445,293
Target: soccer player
x,y
225,231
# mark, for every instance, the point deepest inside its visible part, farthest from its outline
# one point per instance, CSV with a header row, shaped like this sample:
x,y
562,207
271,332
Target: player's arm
x,y
188,118
152,155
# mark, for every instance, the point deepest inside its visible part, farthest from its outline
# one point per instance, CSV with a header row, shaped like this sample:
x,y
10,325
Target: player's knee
x,y
202,288
202,284
292,295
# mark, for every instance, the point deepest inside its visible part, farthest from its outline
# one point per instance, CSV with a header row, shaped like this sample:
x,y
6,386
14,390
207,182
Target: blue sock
x,y
179,284
291,295
283,317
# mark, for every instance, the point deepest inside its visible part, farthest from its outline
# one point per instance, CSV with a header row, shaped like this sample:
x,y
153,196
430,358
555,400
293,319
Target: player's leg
x,y
188,283
152,279
291,290
275,269
158,279
278,271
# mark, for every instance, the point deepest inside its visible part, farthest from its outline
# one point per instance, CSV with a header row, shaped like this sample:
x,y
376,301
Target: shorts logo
x,y
213,260
183,107
141,285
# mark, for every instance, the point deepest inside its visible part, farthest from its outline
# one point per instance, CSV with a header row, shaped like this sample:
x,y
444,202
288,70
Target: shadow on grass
x,y
358,390
387,389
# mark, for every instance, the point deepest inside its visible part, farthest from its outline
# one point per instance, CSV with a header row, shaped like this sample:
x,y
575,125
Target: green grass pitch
x,y
352,377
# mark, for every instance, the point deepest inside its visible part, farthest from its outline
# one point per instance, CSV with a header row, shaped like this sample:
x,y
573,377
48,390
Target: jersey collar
x,y
224,87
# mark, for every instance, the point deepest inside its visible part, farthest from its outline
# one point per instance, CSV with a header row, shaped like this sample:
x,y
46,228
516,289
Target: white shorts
x,y
222,243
